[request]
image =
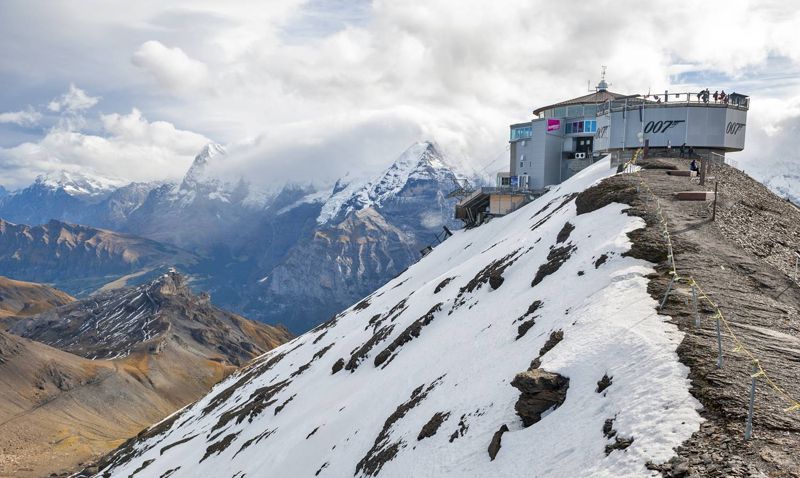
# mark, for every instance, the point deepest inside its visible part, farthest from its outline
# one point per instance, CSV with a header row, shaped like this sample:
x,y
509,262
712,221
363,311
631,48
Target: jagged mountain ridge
x,y
101,369
148,317
422,161
346,242
79,258
77,198
530,343
363,237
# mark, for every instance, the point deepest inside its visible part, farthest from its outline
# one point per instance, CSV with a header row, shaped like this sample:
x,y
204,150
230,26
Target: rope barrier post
x,y
671,255
714,212
748,429
666,294
719,343
694,307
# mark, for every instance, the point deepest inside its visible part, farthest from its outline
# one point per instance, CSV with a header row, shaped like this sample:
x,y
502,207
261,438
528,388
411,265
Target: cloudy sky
x,y
313,89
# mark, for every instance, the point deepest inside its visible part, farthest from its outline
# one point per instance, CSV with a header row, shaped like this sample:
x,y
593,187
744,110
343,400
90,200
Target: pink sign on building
x,y
553,125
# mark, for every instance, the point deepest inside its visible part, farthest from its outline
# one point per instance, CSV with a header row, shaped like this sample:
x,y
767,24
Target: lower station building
x,y
565,137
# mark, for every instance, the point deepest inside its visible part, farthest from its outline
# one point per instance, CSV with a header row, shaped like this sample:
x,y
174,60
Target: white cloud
x,y
128,147
28,117
171,67
295,88
73,100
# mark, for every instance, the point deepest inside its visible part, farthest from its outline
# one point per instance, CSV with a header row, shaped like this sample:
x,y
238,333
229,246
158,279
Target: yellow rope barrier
x,y
739,345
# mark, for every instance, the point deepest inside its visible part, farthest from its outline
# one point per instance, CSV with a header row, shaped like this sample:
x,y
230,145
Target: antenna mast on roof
x,y
602,86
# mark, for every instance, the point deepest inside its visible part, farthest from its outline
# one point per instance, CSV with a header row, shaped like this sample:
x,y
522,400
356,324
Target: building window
x,y
521,132
576,110
569,128
590,126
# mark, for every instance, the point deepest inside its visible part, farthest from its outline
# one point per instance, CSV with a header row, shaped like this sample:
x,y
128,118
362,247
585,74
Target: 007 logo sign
x,y
661,126
734,128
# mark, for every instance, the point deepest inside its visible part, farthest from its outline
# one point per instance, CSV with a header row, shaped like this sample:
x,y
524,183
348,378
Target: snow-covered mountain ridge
x,y
328,247
80,184
529,345
420,161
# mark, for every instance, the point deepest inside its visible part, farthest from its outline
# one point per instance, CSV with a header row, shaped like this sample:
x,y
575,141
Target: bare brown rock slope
x,y
19,298
79,259
111,365
743,261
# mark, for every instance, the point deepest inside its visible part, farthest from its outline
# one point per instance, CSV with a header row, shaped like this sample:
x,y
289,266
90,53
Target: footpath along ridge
x,y
739,268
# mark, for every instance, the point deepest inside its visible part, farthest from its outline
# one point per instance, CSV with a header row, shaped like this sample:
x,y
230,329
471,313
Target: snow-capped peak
x,y
422,160
197,172
80,184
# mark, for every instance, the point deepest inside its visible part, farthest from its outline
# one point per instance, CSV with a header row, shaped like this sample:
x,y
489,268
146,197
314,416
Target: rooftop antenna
x,y
602,86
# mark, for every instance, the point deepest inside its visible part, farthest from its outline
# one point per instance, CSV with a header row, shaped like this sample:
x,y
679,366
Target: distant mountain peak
x,y
79,183
197,173
420,161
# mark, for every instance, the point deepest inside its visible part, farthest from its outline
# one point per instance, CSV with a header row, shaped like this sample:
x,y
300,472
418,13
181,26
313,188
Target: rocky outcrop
x,y
164,312
539,391
494,445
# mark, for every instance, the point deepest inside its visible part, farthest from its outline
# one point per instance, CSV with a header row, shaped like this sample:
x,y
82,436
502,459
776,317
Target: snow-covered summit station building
x,y
565,137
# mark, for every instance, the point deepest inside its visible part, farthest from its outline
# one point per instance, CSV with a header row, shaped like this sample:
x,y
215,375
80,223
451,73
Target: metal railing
x,y
734,100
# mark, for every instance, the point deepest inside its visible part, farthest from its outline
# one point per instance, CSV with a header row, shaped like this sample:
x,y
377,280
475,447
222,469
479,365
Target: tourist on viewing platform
x,y
723,97
683,150
716,96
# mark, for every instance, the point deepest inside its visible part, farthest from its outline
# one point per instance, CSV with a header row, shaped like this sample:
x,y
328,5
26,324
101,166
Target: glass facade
x,y
587,126
571,110
521,132
576,110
